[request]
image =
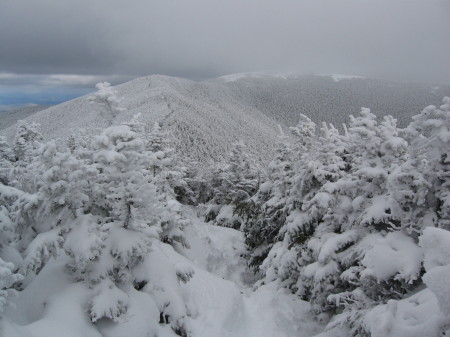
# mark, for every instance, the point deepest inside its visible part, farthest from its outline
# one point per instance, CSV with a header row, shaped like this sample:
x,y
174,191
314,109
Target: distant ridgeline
x,y
10,117
206,117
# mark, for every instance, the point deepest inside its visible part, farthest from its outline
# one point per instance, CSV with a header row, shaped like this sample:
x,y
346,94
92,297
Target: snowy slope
x,y
203,120
266,312
206,117
219,302
8,118
330,98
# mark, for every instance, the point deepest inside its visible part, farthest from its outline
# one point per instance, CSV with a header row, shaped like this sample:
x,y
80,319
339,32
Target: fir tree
x,y
234,183
169,179
269,204
6,160
106,98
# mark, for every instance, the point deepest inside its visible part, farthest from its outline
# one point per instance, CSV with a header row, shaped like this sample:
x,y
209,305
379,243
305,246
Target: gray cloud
x,y
397,39
55,80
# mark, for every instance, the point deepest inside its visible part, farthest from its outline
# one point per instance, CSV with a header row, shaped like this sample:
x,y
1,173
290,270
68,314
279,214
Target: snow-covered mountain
x,y
330,98
206,117
203,118
345,235
8,118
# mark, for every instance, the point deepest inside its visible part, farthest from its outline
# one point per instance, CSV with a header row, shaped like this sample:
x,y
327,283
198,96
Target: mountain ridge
x,y
206,117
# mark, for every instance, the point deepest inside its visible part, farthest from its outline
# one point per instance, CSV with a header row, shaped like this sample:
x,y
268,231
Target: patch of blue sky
x,y
13,96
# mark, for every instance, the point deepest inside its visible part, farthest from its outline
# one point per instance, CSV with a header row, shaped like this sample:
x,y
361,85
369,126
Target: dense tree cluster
x,y
339,218
104,204
324,98
230,187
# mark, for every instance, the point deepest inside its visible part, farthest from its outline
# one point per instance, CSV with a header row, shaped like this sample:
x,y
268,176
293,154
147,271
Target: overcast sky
x,y
75,43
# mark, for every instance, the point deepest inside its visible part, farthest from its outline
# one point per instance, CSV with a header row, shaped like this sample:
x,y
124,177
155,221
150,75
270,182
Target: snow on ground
x,y
218,250
218,297
51,306
415,316
239,311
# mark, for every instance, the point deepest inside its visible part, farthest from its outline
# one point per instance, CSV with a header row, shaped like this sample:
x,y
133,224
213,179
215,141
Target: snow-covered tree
x,y
334,271
64,195
429,136
233,184
167,169
11,202
168,175
27,139
355,207
72,144
106,98
435,244
321,162
123,230
25,143
101,206
269,204
120,198
8,277
6,160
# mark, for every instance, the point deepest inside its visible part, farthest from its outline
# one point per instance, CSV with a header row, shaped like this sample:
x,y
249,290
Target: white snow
x,y
416,316
396,254
340,77
217,296
51,306
232,309
435,243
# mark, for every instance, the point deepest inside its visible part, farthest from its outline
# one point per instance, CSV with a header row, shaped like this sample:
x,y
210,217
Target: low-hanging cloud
x,y
396,39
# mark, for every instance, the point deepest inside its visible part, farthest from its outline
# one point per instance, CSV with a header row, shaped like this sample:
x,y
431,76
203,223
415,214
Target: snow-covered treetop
x,y
106,97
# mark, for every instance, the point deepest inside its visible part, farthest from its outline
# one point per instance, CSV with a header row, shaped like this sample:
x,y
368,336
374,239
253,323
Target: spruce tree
x,y
107,100
233,183
269,204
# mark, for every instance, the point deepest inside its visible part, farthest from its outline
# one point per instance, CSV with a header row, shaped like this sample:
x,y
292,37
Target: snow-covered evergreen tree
x,y
27,139
168,175
64,195
106,98
129,211
356,205
101,207
337,271
428,134
269,204
72,144
321,161
12,202
233,185
8,277
6,160
167,169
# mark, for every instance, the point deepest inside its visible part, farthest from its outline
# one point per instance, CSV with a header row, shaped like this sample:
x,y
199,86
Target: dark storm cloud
x,y
398,39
